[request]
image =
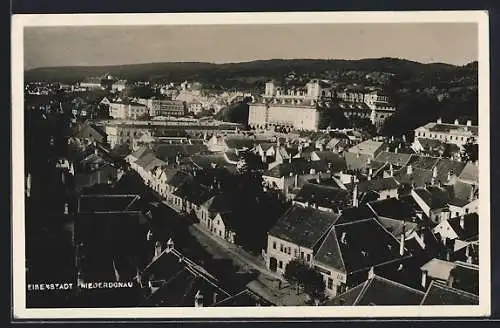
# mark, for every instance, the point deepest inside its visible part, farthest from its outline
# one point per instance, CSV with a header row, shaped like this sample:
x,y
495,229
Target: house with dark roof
x,y
346,256
463,228
105,173
173,280
470,174
108,236
245,298
324,198
174,179
434,147
396,216
378,290
394,158
441,294
90,133
433,201
297,235
373,189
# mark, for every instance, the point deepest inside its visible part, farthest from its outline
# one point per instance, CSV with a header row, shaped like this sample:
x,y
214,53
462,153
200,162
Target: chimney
x,y
318,177
343,238
370,173
66,209
402,243
391,170
355,196
371,273
96,151
471,194
409,169
451,278
149,235
198,299
214,299
396,150
157,249
456,122
462,221
469,123
170,245
424,279
439,121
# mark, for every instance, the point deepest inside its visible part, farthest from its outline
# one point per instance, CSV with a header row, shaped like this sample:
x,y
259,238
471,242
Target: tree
x,y
470,151
298,272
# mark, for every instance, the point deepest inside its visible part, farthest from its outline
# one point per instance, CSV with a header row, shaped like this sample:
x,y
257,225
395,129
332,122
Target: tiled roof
x,y
440,294
368,147
145,160
470,173
323,196
107,203
352,214
419,177
347,248
303,226
178,178
434,197
396,227
380,291
97,176
377,185
393,158
445,166
423,162
194,192
466,277
444,127
356,161
297,166
393,208
179,279
168,152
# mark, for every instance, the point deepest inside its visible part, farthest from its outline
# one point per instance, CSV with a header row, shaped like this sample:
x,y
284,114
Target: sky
x,y
452,43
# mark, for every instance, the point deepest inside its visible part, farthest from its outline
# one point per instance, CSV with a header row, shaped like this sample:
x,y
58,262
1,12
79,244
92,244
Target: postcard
x,y
251,165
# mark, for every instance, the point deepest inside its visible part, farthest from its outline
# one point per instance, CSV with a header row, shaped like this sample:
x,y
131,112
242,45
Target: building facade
x,y
456,133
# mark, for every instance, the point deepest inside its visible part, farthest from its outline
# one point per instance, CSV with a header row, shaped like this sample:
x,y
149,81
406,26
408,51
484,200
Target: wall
x,y
337,279
285,252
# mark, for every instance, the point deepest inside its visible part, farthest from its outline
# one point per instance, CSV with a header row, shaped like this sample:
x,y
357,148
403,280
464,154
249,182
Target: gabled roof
x,y
466,277
445,166
423,162
470,173
303,226
323,196
97,176
419,177
194,192
179,279
352,214
145,160
141,151
297,166
177,178
347,248
440,294
107,203
356,161
379,291
367,147
377,185
393,208
470,229
218,203
398,159
433,197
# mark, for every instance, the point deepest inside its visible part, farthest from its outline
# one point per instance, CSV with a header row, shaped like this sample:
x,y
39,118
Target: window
x,y
301,255
274,245
280,264
467,211
457,214
289,250
308,257
296,252
330,283
281,247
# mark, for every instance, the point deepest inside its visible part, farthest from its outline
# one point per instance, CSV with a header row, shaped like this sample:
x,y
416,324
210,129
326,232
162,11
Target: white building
x,y
127,110
455,133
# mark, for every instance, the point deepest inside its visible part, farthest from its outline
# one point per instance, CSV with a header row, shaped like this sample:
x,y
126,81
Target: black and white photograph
x,y
251,165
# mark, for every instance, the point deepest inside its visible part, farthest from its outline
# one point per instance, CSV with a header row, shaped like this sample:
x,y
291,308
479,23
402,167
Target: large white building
x,y
297,107
294,108
127,110
455,133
